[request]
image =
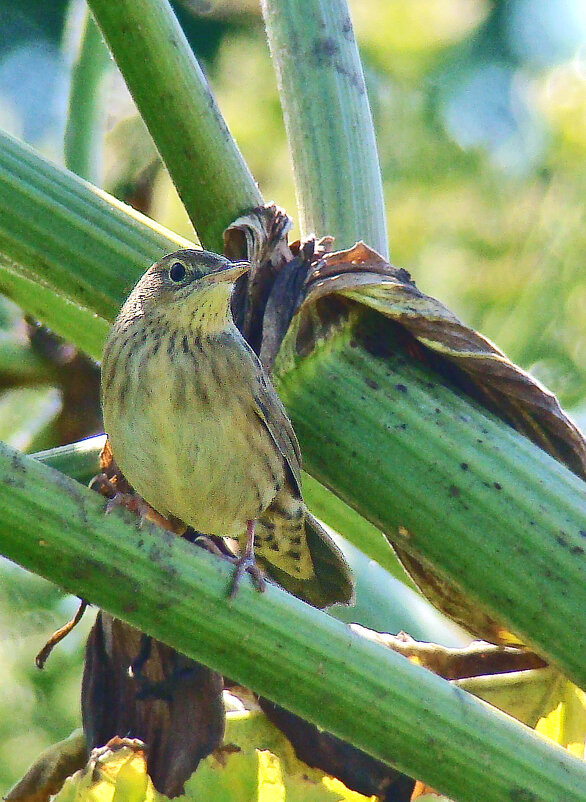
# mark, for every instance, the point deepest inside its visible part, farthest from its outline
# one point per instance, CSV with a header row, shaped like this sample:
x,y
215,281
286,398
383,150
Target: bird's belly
x,y
204,457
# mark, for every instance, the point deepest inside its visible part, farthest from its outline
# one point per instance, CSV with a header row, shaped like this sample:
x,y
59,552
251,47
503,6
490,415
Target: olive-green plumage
x,y
198,429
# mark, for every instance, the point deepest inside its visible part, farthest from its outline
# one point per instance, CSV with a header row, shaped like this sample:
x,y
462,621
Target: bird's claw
x,y
246,564
136,504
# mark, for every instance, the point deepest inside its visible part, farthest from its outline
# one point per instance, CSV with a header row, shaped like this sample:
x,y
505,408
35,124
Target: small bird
x,y
198,430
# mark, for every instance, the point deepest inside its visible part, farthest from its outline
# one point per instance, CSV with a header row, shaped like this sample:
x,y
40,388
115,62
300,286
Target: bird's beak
x,y
229,272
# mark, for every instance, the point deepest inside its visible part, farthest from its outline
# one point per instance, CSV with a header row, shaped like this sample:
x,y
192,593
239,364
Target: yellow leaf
x,y
270,779
258,763
566,723
111,775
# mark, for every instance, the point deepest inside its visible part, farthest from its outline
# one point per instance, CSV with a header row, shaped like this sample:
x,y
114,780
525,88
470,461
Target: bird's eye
x,y
177,272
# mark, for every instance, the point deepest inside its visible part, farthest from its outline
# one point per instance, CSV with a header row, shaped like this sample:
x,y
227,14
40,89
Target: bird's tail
x,y
332,582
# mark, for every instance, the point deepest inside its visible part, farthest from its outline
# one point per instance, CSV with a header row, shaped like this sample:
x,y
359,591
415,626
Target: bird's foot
x,y
246,565
243,564
134,503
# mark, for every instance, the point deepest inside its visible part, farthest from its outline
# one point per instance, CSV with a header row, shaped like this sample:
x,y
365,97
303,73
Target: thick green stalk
x,y
83,134
62,232
80,461
77,325
328,120
439,474
341,517
175,102
275,644
382,603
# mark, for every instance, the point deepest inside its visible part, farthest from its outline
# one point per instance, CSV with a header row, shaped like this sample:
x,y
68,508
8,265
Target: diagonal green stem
x,y
289,652
441,475
175,102
73,238
383,603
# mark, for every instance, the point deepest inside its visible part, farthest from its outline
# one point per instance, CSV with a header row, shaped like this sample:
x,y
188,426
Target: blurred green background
x,y
480,113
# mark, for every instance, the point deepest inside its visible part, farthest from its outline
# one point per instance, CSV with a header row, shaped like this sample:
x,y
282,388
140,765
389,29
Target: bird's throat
x,y
209,313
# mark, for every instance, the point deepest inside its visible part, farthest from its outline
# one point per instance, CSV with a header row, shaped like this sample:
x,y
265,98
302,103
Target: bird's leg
x,y
246,562
130,501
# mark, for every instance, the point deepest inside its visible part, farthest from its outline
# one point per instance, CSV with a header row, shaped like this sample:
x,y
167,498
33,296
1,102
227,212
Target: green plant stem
x,y
341,517
80,461
440,475
274,644
72,322
328,120
83,133
58,230
175,102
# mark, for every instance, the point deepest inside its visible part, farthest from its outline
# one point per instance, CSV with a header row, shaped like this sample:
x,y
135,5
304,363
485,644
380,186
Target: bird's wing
x,y
272,413
266,404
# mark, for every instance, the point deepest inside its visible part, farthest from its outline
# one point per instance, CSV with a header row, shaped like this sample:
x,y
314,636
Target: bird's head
x,y
189,288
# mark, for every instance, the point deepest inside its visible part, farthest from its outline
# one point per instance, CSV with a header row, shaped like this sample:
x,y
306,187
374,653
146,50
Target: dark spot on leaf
x,y
454,491
401,388
522,795
155,554
497,486
17,464
12,481
464,466
324,48
576,550
371,383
